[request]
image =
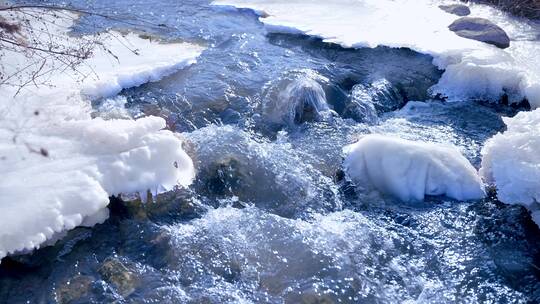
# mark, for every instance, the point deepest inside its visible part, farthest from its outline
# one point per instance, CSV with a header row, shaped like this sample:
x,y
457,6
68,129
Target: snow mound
x,y
59,166
511,162
410,170
473,69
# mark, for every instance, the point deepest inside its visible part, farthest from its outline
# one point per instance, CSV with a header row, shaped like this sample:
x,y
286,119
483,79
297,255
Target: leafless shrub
x,y
35,46
38,32
521,8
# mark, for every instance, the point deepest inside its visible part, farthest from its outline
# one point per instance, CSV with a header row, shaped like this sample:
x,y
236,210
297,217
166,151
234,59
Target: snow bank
x,y
410,170
511,162
473,69
59,166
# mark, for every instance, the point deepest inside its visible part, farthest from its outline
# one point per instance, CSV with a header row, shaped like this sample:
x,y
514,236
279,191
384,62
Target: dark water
x,y
269,219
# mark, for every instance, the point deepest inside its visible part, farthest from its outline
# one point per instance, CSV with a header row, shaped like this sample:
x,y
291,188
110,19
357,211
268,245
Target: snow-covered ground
x,y
59,166
472,69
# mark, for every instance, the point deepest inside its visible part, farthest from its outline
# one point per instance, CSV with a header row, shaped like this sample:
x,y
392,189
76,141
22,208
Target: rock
x,y
361,107
114,272
481,30
313,298
306,99
74,289
456,9
295,98
387,97
177,203
230,116
155,110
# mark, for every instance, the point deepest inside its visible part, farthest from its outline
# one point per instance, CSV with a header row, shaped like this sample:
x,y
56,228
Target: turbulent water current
x,y
270,217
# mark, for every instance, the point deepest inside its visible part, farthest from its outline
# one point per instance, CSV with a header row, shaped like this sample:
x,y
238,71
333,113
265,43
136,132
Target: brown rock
x,y
116,273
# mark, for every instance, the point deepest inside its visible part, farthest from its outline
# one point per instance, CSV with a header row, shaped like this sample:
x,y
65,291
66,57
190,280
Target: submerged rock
x,y
295,98
456,9
313,298
480,29
74,289
361,106
119,275
361,112
387,97
235,164
175,203
306,101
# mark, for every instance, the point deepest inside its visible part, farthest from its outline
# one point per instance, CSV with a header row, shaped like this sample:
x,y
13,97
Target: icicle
x,y
143,196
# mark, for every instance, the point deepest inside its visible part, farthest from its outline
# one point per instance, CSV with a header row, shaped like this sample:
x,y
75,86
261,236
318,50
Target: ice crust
x,y
511,162
59,166
472,69
410,170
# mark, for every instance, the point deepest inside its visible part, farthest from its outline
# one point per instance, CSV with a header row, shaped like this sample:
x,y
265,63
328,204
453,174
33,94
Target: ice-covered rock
x,y
482,30
411,170
456,9
473,69
59,166
511,162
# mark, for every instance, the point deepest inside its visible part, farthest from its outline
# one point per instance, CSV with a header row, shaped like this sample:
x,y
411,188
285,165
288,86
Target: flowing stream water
x,y
270,218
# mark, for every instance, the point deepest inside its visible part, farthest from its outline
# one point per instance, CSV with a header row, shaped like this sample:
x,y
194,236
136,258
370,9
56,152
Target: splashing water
x,y
271,217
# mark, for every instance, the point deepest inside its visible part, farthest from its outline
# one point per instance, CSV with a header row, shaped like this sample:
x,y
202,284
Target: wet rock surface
x,y
481,30
456,9
74,290
175,203
116,273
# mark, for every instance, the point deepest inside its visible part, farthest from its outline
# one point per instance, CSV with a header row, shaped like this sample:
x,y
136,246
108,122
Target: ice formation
x,y
511,162
59,166
410,170
472,69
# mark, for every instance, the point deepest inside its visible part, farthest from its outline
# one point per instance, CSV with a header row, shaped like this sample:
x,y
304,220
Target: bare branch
x,y
43,50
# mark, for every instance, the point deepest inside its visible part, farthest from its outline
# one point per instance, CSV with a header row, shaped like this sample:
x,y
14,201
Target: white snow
x,y
472,69
59,166
410,170
511,162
